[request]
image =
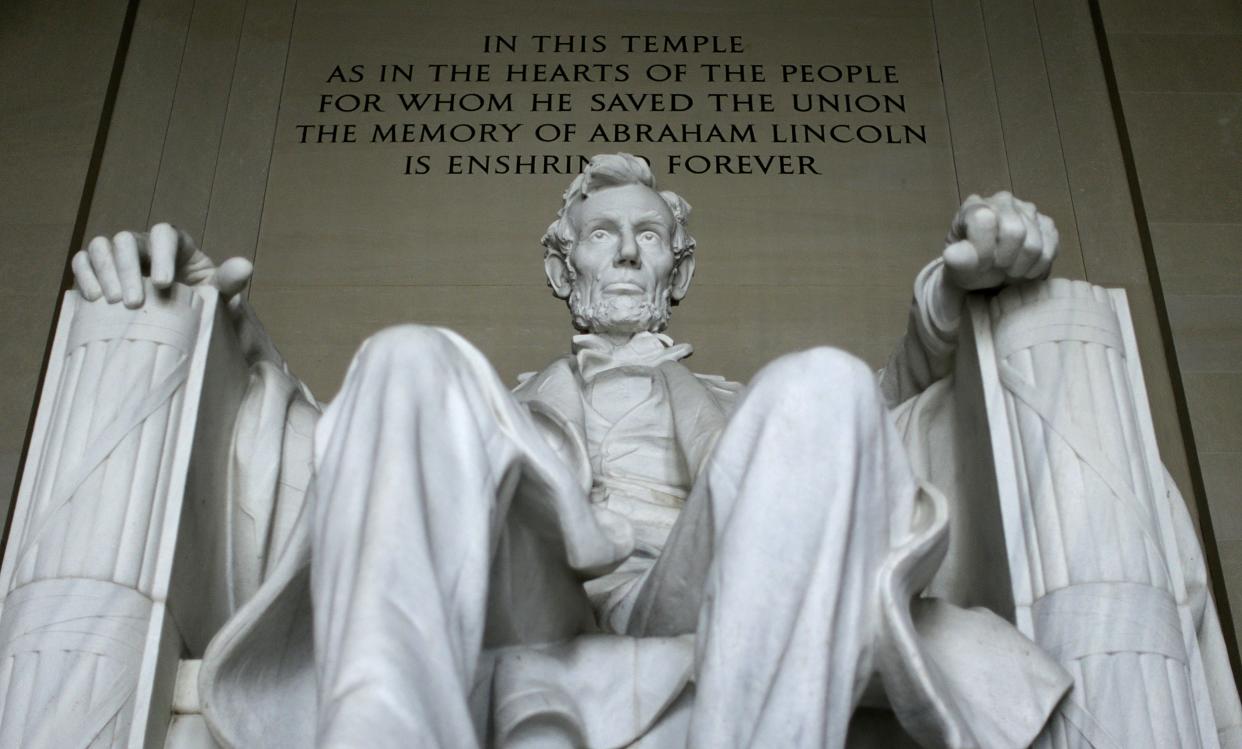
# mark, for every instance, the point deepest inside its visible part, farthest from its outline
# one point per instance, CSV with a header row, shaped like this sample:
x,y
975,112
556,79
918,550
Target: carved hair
x,y
614,170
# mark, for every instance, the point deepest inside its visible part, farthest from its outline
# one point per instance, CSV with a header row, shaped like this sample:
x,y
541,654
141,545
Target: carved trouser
x,y
434,488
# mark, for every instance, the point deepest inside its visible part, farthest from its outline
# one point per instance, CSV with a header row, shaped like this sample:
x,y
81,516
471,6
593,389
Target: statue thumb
x,y
232,276
962,257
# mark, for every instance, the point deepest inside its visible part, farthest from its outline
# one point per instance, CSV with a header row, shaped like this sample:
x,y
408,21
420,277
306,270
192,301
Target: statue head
x,y
618,251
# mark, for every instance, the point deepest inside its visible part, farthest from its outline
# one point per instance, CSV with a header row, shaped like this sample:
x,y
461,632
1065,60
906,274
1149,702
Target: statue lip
x,y
624,287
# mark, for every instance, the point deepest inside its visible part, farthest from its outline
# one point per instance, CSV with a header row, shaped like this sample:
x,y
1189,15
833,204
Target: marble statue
x,y
619,552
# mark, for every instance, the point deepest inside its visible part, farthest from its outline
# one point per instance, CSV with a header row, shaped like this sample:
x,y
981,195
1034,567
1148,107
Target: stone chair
x,y
126,556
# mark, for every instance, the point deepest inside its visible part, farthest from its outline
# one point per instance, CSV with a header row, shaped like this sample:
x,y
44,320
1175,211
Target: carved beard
x,y
621,314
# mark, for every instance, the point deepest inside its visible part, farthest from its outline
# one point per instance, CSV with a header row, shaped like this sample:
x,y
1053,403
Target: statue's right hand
x,y
113,268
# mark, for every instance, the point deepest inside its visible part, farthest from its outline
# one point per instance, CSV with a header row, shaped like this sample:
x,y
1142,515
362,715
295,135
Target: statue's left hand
x,y
114,268
997,241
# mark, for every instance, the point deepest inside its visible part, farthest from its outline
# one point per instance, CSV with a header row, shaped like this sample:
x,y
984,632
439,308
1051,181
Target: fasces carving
x,y
1107,575
87,549
87,570
622,552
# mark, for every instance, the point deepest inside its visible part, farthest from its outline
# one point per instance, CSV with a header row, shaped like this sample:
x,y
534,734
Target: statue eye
x,y
599,235
648,236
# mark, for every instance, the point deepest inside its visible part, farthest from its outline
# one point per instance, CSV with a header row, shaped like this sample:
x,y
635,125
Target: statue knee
x,y
817,381
411,348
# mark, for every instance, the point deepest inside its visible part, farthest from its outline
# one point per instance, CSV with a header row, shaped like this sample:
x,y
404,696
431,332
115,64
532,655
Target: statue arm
x,y
925,353
257,345
271,462
992,242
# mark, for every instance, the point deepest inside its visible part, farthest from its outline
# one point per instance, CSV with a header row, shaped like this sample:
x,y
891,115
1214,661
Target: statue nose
x,y
627,252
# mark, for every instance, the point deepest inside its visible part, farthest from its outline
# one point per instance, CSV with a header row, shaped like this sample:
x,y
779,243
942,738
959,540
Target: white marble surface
x,y
752,561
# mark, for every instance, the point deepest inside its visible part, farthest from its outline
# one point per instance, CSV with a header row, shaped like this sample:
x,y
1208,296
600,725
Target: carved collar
x,y
596,354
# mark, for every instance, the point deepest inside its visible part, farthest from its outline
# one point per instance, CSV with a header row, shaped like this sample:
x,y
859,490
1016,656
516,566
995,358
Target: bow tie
x,y
596,354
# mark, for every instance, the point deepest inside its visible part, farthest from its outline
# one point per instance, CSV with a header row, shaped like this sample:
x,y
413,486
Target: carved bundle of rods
x,y
80,564
1106,593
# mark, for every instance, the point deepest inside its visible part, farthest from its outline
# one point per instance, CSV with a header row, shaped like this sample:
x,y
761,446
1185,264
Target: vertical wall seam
x,y
1000,113
1198,488
76,239
224,122
271,151
172,106
1056,118
944,98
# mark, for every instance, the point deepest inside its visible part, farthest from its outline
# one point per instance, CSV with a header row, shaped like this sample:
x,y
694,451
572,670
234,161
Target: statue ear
x,y
682,273
557,270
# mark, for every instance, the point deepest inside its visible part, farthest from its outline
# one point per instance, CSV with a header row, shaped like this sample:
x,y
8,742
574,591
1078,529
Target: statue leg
x,y
418,462
808,489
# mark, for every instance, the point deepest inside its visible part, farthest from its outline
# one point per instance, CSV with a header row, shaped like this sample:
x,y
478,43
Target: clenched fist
x,y
113,268
997,241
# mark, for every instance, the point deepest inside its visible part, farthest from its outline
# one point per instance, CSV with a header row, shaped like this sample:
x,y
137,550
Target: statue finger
x,y
1048,228
190,266
100,251
84,274
162,246
957,230
981,228
195,266
1032,247
1027,209
1010,235
232,276
128,268
1026,259
961,260
1001,201
1043,266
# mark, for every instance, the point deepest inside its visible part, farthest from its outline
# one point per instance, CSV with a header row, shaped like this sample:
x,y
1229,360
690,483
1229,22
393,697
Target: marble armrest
x,y
1065,470
114,561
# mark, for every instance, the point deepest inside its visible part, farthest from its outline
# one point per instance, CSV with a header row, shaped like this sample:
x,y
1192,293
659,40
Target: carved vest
x,y
638,470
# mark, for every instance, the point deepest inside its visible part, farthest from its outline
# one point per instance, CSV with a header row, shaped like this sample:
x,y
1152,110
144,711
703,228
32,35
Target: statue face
x,y
622,260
